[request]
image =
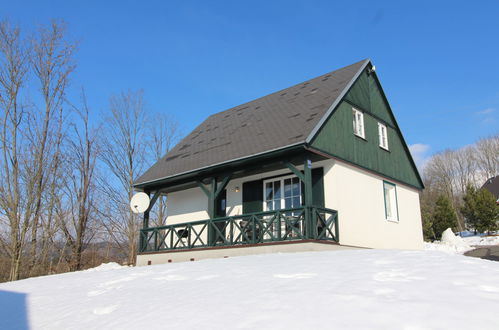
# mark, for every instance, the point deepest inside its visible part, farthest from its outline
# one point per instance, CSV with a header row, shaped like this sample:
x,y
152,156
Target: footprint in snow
x,y
206,277
383,262
488,288
105,310
395,276
300,275
96,293
171,278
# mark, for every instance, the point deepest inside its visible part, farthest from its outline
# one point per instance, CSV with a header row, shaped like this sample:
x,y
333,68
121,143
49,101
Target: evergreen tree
x,y
480,209
444,216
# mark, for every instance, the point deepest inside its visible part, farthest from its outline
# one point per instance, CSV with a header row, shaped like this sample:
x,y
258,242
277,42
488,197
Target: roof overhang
x,y
253,164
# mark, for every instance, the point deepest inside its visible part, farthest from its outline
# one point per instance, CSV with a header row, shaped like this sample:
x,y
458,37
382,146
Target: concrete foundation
x,y
154,258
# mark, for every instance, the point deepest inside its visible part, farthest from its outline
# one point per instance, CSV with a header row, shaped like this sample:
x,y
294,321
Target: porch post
x,y
309,218
212,195
212,198
145,221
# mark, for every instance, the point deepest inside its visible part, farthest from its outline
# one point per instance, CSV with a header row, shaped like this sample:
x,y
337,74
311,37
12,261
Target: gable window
x,y
390,196
383,136
358,123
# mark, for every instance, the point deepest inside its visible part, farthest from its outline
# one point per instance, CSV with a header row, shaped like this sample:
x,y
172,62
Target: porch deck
x,y
303,223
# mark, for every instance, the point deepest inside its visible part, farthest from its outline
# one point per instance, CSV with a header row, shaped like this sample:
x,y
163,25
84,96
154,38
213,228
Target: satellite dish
x,y
139,202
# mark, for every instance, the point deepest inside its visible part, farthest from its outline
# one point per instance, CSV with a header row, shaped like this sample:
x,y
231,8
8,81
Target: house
x,y
492,185
317,166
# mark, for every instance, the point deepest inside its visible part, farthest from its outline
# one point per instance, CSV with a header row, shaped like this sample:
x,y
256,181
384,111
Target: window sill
x,y
392,220
385,149
360,137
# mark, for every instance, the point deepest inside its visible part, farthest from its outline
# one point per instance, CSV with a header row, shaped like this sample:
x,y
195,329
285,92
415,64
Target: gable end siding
x,y
336,136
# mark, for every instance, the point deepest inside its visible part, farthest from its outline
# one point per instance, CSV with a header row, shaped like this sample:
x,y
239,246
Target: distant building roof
x,y
492,185
281,119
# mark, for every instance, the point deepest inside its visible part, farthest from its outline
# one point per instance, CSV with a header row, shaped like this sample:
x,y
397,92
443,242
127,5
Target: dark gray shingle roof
x,y
492,185
272,122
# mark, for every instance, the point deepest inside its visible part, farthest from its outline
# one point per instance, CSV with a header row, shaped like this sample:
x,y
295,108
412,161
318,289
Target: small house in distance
x,y
321,165
492,185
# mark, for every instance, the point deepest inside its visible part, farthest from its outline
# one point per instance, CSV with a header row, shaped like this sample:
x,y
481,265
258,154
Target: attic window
x,y
383,136
358,123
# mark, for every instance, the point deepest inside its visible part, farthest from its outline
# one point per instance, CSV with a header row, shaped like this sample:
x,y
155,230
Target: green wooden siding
x,y
336,137
366,94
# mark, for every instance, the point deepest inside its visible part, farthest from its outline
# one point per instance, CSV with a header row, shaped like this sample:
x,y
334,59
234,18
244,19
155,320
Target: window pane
x,y
269,206
296,187
268,191
287,187
296,201
288,203
277,189
354,121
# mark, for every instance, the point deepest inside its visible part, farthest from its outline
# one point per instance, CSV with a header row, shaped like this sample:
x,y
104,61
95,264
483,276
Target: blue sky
x,y
436,59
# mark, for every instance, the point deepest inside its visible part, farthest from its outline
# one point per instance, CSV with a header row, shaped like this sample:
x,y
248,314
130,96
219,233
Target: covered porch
x,y
265,219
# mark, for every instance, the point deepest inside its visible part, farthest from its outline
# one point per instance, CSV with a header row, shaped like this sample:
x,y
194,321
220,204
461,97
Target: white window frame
x,y
358,123
383,136
390,195
282,199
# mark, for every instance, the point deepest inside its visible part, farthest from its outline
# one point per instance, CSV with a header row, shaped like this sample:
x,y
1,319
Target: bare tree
x,y
487,156
80,186
52,62
13,71
31,135
124,155
163,134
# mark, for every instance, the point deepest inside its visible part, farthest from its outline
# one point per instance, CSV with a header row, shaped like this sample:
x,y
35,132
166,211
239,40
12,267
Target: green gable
x,y
336,136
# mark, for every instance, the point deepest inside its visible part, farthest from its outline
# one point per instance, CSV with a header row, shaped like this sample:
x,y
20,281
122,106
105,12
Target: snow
x,y
451,243
482,240
356,289
105,267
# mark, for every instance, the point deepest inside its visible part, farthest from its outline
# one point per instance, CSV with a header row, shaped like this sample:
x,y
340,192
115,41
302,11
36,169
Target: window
x,y
358,123
383,136
282,193
390,195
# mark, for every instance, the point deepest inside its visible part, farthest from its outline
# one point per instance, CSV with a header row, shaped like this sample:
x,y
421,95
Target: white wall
x,y
356,194
358,197
187,206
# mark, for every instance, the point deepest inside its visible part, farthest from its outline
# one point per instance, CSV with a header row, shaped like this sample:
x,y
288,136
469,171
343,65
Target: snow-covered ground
x,y
452,243
362,289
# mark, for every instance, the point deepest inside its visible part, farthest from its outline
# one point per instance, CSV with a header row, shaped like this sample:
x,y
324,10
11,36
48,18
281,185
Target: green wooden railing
x,y
301,223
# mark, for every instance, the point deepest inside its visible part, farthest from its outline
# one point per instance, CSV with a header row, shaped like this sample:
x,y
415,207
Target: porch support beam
x,y
223,184
307,182
213,192
296,171
145,222
212,198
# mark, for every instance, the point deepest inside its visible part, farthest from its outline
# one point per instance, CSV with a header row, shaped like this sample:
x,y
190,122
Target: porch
x,y
304,223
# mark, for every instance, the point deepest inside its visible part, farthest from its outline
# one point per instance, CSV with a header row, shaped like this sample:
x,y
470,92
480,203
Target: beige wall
x,y
356,194
358,197
187,206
